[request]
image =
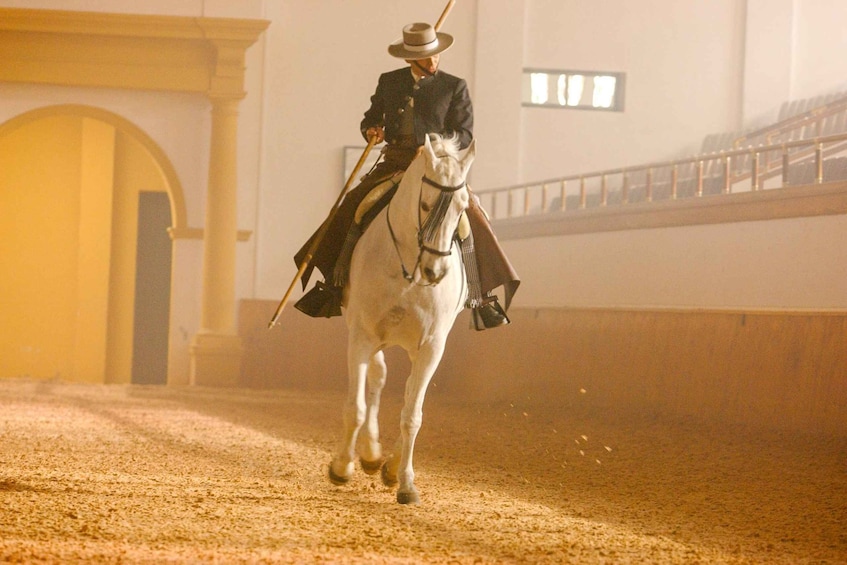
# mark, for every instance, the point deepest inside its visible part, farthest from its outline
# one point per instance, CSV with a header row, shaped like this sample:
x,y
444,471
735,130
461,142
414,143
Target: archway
x,y
175,54
78,185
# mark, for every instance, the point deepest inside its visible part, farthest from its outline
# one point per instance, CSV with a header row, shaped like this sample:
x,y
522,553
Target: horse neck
x,y
405,202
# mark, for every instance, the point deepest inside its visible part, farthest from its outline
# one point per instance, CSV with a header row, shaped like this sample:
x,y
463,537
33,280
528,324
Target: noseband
x,y
428,227
441,187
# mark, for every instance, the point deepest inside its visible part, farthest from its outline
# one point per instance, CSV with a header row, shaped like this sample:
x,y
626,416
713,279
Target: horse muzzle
x,y
433,276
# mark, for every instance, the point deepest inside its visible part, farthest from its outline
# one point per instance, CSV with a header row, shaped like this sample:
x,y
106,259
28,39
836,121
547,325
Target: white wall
x,y
794,50
768,59
794,264
689,73
818,63
693,68
497,100
683,66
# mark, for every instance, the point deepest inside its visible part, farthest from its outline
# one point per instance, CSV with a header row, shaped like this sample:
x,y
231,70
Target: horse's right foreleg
x,y
355,410
369,447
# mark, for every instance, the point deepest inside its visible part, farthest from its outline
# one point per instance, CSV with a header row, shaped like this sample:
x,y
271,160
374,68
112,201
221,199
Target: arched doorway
x,y
153,53
88,198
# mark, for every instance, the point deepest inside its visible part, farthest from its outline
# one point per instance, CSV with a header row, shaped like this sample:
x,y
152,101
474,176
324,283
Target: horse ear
x,y
430,152
468,157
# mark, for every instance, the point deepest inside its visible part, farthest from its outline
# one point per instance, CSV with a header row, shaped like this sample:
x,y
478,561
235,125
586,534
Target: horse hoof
x,y
387,479
337,480
408,497
371,467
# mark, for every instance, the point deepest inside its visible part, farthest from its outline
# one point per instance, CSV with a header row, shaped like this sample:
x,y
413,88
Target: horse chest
x,y
392,319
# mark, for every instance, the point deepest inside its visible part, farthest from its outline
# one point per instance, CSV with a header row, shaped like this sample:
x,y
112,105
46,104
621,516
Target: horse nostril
x,y
432,276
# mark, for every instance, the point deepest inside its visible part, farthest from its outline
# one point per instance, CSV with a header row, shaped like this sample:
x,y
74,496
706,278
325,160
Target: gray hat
x,y
420,41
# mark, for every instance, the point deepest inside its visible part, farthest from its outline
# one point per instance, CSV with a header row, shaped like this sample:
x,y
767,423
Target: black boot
x,y
323,301
489,315
341,272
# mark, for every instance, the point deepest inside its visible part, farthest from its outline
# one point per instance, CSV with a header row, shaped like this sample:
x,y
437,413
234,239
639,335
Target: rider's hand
x,y
376,132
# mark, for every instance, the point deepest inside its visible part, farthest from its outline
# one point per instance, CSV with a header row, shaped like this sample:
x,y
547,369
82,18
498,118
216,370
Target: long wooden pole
x,y
322,231
443,17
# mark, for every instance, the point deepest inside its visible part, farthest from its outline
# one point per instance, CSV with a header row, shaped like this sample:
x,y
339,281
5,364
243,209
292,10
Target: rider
x,y
409,103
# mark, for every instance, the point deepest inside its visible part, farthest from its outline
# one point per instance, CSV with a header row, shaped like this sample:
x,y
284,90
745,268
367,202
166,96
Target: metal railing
x,y
823,120
804,161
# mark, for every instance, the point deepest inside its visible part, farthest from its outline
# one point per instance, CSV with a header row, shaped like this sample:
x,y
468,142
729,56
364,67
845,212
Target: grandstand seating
x,y
728,162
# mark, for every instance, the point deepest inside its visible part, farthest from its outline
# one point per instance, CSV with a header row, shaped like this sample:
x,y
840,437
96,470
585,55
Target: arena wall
x,y
773,369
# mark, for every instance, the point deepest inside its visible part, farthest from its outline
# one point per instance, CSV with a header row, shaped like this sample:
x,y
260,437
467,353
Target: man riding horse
x,y
409,103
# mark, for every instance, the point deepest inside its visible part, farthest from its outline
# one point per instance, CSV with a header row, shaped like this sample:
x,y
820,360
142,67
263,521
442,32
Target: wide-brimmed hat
x,y
420,41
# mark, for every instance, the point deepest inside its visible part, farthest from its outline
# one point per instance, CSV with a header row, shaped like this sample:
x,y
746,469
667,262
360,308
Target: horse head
x,y
443,198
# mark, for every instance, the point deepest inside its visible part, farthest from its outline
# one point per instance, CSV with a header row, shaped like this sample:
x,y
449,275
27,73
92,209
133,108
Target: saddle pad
x,y
375,194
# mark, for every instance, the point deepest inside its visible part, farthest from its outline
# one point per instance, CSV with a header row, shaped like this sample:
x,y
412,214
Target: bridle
x,y
426,228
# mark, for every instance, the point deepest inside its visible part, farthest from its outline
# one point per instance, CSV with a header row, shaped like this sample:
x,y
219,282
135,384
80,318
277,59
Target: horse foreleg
x,y
411,417
341,467
370,449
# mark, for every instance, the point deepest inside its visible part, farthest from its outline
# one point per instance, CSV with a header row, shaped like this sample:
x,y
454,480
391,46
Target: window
x,y
583,90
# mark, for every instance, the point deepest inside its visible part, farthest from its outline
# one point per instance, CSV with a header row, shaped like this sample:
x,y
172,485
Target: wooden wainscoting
x,y
781,370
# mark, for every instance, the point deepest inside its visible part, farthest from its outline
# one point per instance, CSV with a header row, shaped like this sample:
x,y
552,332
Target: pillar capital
x,y
227,80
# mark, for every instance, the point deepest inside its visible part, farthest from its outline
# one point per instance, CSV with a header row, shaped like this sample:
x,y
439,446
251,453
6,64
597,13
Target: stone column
x,y
216,349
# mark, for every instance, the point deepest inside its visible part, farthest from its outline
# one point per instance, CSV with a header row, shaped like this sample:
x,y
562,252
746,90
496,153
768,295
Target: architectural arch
x,y
157,53
166,168
88,248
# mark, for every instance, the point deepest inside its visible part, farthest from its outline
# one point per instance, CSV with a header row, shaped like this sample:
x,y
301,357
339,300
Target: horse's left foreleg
x,y
355,409
411,418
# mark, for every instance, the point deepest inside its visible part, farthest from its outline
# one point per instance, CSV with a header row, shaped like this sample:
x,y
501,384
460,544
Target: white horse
x,y
407,285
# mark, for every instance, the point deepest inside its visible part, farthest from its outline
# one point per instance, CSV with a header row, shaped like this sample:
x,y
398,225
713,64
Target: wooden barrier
x,y
779,370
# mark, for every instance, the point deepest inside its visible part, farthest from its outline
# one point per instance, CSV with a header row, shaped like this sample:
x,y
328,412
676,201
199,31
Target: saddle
x,y
373,197
365,212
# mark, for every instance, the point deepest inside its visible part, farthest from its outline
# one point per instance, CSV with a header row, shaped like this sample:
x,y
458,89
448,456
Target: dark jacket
x,y
442,105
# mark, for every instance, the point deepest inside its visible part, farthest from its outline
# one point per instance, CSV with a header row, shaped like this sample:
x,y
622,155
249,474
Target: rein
x,y
427,228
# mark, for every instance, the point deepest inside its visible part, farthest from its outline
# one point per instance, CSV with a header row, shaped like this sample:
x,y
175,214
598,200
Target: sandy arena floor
x,y
121,474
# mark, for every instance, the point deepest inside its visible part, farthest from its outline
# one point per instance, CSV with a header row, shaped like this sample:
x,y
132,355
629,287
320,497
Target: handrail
x,y
815,115
726,159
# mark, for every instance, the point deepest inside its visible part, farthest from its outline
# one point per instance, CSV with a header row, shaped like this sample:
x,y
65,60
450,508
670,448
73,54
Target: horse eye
x,y
425,207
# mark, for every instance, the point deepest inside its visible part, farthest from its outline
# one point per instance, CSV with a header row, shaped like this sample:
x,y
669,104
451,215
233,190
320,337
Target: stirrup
x,y
323,301
489,315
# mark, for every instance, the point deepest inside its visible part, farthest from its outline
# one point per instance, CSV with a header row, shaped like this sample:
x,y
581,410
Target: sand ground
x,y
130,474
